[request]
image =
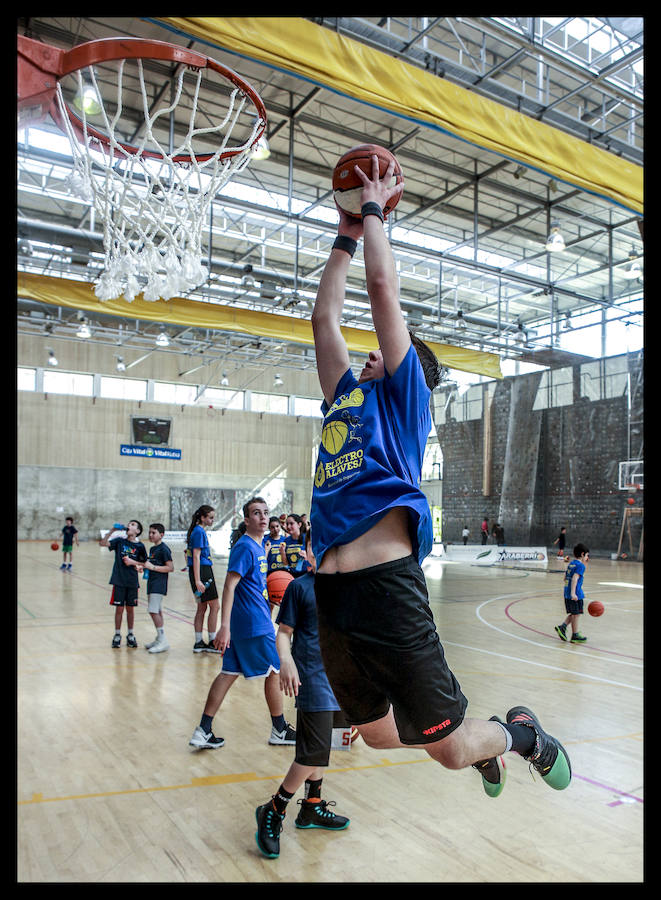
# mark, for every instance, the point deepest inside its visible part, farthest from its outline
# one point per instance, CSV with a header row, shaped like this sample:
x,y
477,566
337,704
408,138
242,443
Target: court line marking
x,y
239,777
550,647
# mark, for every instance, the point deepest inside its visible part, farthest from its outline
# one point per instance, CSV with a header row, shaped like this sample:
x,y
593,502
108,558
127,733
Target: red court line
x,y
546,634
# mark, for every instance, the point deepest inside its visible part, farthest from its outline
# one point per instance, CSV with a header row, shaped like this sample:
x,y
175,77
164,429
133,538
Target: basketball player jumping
x,y
371,530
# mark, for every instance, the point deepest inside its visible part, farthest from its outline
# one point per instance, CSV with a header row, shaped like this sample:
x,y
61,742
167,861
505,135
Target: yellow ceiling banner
x,y
342,64
198,314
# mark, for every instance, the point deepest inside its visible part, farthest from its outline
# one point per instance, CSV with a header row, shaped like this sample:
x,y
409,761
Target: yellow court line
x,y
207,781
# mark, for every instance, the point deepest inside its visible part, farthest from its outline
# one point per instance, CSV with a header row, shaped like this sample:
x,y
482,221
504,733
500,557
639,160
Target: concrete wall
x,y
549,467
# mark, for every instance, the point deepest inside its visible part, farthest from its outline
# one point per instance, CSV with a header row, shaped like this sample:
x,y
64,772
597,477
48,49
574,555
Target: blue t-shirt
x,y
157,582
251,612
574,567
293,547
198,538
273,557
299,610
370,458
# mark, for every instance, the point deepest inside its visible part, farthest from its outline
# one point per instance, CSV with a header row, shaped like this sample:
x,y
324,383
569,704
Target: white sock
x,y
198,636
160,632
508,737
211,636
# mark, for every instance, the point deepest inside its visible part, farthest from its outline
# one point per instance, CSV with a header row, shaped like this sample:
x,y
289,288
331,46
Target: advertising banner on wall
x,y
508,557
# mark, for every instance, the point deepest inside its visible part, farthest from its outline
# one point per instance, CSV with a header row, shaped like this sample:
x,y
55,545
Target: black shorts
x,y
124,596
206,574
574,607
380,648
314,731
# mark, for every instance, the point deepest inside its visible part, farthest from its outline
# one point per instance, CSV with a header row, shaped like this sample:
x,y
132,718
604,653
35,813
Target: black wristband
x,y
343,242
371,209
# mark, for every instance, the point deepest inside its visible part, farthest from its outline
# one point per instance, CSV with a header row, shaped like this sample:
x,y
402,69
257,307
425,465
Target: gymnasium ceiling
x,y
581,76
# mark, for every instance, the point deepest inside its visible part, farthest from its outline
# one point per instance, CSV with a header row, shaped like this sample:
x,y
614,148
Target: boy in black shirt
x,y
69,533
130,554
159,565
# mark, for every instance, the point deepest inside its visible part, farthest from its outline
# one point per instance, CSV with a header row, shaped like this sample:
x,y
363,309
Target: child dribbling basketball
x,y
574,596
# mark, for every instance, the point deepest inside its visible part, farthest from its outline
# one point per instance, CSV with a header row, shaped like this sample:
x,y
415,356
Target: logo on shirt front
x,y
336,437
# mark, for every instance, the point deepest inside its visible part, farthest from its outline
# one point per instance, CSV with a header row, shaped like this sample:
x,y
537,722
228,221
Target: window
x,y
26,379
556,388
468,405
123,388
181,394
432,464
269,403
605,378
306,406
221,398
68,383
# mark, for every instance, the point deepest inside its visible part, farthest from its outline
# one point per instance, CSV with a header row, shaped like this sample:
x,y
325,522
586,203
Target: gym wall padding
x,y
198,314
339,63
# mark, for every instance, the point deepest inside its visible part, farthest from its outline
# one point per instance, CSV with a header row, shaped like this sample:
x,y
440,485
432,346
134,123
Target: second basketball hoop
x,y
151,182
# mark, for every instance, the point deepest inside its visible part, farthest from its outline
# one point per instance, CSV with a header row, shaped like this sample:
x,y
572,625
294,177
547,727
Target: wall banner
x,y
508,557
149,452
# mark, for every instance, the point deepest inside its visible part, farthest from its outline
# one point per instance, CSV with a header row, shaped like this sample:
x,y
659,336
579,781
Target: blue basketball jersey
x,y
373,440
251,613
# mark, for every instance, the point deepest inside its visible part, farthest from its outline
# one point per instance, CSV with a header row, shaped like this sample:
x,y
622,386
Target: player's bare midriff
x,y
387,540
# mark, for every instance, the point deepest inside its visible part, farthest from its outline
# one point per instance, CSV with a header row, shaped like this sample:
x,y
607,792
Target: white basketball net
x,y
153,211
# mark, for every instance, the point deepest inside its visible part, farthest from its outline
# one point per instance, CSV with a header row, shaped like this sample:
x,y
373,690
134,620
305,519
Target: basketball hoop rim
x,y
108,49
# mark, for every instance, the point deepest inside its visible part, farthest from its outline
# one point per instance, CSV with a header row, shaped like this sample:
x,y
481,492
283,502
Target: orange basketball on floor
x,y
596,608
276,584
347,186
55,546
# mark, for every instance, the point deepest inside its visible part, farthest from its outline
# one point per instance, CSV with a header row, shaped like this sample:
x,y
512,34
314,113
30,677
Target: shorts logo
x,y
438,727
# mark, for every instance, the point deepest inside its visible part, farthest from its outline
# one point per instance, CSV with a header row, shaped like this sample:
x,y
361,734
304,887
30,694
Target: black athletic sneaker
x,y
548,756
117,640
200,647
315,814
561,631
269,826
203,740
287,736
493,772
131,641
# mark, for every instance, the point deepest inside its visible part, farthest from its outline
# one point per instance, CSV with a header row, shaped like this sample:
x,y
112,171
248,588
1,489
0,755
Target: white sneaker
x,y
288,736
202,739
159,646
151,644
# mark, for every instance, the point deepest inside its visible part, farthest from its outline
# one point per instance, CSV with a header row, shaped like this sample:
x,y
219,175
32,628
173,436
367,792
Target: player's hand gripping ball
x,y
347,186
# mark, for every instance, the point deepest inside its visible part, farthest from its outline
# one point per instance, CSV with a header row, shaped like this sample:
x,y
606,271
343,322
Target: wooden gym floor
x,y
109,790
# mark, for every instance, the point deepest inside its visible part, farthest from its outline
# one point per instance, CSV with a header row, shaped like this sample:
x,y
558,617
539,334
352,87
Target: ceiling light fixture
x,y
261,150
224,381
460,324
555,243
633,270
87,101
521,170
84,330
52,359
520,335
277,381
121,365
162,340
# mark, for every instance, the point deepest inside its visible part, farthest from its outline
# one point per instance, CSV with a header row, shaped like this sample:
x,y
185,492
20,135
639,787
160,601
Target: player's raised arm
x,y
330,347
380,272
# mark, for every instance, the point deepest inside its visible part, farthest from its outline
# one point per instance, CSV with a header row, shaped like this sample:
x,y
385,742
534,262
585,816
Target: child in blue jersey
x,y
272,542
302,676
371,530
130,554
294,549
246,637
200,576
574,596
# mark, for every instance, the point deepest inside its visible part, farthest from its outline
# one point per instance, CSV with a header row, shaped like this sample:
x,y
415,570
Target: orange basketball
x,y
347,186
596,608
55,546
276,585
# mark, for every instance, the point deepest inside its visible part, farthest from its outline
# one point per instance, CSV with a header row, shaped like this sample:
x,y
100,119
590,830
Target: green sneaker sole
x,y
559,777
324,827
495,790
